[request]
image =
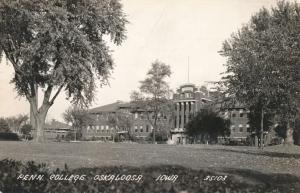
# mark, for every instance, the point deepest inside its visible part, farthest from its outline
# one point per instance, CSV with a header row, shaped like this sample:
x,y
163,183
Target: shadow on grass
x,y
260,153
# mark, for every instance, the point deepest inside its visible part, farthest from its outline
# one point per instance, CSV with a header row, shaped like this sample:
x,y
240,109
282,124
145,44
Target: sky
x,y
176,32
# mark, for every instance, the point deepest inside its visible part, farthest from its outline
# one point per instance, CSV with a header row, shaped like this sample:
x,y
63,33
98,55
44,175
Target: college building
x,y
189,99
130,122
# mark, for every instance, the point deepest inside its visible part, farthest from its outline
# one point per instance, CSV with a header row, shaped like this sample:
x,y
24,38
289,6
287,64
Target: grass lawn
x,y
276,159
273,165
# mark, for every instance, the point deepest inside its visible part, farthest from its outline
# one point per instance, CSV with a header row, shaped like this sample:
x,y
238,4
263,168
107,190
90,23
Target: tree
x,y
112,121
160,136
26,131
154,94
124,122
120,120
208,125
4,128
16,122
59,45
263,63
78,117
255,121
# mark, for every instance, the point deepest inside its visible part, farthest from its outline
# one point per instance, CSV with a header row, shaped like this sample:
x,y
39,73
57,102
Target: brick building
x,y
101,129
238,116
188,100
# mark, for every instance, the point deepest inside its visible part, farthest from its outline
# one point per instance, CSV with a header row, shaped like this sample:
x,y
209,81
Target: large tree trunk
x,y
34,104
32,122
289,140
37,119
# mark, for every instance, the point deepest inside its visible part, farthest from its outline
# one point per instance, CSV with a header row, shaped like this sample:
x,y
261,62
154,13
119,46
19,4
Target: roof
x,y
187,84
56,125
113,107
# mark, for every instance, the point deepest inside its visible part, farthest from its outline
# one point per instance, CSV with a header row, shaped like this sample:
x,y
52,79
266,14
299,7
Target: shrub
x,y
191,181
9,137
26,129
4,128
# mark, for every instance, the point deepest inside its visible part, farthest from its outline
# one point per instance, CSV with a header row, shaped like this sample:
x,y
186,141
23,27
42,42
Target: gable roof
x,y
113,107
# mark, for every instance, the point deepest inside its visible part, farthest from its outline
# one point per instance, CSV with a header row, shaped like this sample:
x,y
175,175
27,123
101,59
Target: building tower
x,y
188,100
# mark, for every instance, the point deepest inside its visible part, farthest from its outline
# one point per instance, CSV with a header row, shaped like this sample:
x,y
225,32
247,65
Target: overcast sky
x,y
167,30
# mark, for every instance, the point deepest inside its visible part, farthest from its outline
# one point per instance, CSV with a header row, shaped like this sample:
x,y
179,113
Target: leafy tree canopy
x,y
59,44
207,122
263,62
255,120
154,94
120,120
55,43
77,116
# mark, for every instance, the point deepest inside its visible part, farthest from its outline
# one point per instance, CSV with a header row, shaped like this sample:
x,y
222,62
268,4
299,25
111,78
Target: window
x,y
233,114
147,128
187,95
135,115
135,129
241,114
241,129
102,127
141,129
233,128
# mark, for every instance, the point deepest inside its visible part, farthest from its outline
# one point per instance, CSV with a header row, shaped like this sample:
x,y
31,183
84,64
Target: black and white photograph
x,y
149,96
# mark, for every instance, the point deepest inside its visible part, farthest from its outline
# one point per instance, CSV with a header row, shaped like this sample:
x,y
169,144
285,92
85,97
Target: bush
x,y
26,129
9,137
4,128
